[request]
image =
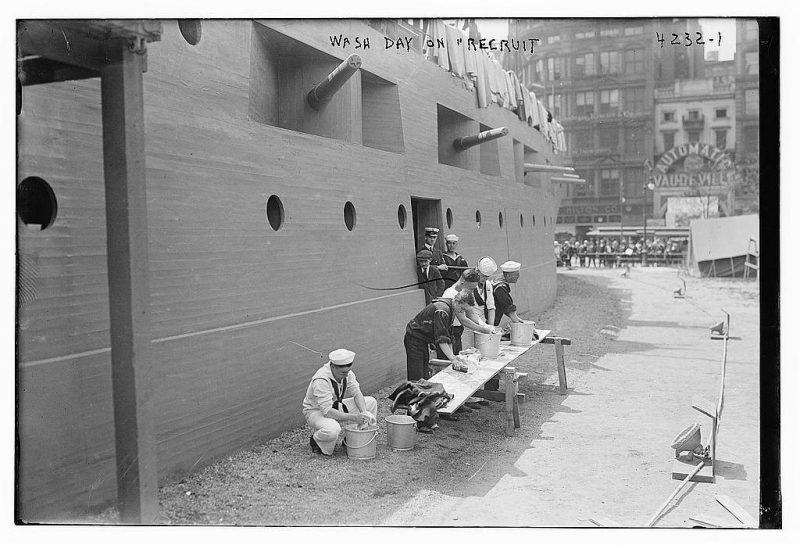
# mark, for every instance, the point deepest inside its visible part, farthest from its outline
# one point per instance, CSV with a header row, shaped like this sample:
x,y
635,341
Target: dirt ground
x,y
638,358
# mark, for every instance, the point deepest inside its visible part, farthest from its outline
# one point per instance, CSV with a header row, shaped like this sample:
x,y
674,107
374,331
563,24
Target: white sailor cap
x,y
431,231
487,266
510,266
451,238
341,356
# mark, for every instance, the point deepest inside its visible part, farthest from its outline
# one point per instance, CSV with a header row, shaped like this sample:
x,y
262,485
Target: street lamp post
x,y
648,185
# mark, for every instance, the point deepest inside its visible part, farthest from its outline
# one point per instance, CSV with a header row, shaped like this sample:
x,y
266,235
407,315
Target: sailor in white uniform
x,y
333,399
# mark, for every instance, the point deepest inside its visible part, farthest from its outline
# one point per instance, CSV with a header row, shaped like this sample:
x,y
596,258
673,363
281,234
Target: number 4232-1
x,y
687,39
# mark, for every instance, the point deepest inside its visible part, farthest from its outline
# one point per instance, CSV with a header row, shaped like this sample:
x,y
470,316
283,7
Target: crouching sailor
x,y
334,399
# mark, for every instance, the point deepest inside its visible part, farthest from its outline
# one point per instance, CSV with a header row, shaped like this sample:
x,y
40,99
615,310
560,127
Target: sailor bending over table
x,y
334,399
434,325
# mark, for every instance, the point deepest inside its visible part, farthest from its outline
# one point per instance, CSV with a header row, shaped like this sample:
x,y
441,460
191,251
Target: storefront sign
x,y
588,209
694,179
718,158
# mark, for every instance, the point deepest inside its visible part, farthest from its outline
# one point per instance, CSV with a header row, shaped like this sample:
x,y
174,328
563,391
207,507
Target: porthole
x,y
401,216
500,219
521,221
191,30
449,218
275,212
349,216
478,218
36,203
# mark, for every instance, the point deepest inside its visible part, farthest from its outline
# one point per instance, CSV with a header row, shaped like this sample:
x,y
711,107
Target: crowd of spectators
x,y
607,252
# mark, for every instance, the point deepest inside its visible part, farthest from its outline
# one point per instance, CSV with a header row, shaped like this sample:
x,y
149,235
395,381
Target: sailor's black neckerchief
x,y
337,403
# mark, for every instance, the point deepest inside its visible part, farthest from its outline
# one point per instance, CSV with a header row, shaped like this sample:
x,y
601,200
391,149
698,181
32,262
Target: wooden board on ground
x,y
737,511
681,469
605,522
463,385
711,521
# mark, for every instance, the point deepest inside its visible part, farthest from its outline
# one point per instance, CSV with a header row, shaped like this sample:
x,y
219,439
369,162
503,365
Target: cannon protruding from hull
x,y
533,167
324,91
464,142
565,180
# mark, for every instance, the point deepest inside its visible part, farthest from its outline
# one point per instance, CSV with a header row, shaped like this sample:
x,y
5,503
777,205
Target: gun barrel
x,y
464,142
324,91
533,167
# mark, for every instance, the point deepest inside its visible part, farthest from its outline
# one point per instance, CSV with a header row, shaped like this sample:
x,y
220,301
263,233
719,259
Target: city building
x,y
598,76
613,81
695,135
747,115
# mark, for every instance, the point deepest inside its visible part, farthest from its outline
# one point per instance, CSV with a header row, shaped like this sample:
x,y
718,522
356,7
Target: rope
x,y
396,287
321,355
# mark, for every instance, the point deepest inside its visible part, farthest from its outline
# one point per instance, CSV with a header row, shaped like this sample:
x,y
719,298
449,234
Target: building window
x,y
633,30
609,101
554,68
751,139
538,70
751,63
609,137
721,139
694,115
585,189
584,35
751,102
609,62
634,61
669,140
751,30
633,183
609,32
583,140
553,39
584,65
668,116
720,113
693,136
554,103
609,182
584,103
634,99
634,142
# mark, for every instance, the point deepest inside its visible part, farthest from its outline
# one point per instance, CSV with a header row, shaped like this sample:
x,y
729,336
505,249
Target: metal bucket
x,y
488,344
522,333
361,444
401,432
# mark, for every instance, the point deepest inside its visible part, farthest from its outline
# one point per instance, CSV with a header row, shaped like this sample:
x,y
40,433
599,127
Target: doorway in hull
x,y
426,213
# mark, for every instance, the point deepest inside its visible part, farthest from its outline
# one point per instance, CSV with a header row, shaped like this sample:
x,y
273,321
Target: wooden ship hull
x,y
226,127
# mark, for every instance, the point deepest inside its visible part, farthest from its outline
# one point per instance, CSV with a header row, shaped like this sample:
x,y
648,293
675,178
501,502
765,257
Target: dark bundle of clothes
x,y
421,399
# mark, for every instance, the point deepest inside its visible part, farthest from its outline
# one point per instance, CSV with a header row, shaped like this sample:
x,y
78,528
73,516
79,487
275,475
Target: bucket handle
x,y
371,440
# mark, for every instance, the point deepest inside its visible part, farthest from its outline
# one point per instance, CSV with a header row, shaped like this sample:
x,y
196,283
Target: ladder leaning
x,y
752,252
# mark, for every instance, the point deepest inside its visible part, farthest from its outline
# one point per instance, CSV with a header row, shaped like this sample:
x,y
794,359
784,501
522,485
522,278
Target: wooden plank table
x,y
465,385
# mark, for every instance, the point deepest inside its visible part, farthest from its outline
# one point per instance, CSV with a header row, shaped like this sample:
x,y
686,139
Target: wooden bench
x,y
465,385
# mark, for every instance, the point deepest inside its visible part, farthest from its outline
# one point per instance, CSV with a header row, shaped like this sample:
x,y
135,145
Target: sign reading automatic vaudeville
x,y
695,172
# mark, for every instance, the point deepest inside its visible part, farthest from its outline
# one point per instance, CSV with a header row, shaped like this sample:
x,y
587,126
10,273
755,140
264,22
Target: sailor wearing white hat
x,y
334,398
502,293
484,293
455,263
